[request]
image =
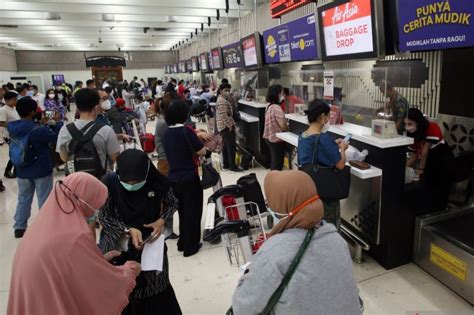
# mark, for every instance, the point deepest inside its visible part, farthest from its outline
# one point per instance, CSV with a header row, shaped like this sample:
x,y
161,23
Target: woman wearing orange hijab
x,y
322,282
58,268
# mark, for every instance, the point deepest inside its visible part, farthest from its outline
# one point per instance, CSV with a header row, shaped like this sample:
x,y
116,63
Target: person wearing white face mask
x,y
52,103
226,127
38,97
103,115
275,122
315,146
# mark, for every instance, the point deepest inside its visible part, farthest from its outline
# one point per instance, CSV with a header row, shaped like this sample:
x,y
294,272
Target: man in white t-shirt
x,y
38,97
8,114
105,140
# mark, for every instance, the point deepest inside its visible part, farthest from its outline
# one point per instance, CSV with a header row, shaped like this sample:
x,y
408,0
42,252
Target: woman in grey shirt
x,y
323,282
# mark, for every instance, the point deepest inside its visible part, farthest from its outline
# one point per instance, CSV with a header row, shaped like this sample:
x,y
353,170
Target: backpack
x,y
83,155
21,150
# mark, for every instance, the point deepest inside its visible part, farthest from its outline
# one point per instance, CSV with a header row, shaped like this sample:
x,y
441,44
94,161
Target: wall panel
x,y
7,60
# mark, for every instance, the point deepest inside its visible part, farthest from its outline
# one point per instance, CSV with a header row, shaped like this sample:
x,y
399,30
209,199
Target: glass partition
x,y
361,94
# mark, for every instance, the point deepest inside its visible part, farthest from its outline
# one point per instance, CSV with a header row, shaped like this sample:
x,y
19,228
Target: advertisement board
x,y
348,30
293,41
431,24
182,66
216,57
252,51
232,55
189,66
175,68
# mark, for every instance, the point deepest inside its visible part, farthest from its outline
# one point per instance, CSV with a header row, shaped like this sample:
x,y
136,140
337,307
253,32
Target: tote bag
x,y
331,183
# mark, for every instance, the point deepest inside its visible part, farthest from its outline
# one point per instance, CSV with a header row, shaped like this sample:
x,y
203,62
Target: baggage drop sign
x,y
348,28
435,24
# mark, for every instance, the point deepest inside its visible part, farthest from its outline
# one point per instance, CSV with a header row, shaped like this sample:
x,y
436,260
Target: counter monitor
x,y
351,30
252,50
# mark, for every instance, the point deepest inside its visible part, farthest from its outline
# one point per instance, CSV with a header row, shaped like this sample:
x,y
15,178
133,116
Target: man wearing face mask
x,y
37,96
330,153
103,114
397,105
104,139
275,122
226,127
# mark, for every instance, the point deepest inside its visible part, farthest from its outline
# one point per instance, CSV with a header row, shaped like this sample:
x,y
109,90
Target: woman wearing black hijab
x,y
140,201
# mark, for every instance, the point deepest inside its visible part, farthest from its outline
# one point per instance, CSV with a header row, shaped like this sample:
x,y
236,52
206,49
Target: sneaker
x,y
2,188
172,236
19,233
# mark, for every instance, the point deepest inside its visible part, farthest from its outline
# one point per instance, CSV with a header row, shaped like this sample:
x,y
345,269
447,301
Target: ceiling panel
x,y
131,25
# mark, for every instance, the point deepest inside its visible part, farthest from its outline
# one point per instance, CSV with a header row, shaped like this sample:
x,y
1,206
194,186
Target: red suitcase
x,y
148,143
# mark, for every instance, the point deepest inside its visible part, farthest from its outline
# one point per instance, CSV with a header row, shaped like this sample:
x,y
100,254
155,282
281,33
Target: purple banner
x,y
431,24
232,55
293,41
58,79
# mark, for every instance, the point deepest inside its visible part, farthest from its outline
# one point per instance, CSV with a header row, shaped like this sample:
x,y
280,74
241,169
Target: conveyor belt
x,y
457,230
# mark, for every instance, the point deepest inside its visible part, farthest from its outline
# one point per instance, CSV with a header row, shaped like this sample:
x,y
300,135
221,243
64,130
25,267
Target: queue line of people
x,y
139,200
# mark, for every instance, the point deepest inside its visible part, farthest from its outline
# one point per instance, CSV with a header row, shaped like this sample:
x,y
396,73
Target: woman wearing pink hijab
x,y
58,268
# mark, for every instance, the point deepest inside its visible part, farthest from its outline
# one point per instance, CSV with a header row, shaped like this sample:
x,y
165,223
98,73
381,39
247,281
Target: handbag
x,y
286,278
331,183
210,176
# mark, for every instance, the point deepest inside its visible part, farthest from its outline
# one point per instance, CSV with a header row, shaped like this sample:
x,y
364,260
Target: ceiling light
x,y
92,45
12,45
54,16
172,19
106,17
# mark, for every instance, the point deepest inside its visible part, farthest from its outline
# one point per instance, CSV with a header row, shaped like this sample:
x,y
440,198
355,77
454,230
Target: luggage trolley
x,y
237,223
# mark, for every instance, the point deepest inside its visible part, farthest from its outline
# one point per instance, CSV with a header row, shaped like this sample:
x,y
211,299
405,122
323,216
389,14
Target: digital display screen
x,y
203,62
195,64
232,55
182,66
280,7
189,66
348,30
209,59
216,58
175,68
251,50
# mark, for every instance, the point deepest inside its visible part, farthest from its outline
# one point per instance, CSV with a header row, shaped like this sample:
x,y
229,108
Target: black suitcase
x,y
252,191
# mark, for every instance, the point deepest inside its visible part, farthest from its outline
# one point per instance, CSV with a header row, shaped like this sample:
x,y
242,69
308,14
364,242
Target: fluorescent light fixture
x,y
106,17
172,19
53,16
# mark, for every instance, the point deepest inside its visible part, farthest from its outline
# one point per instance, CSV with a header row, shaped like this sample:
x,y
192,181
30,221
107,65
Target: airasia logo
x,y
340,16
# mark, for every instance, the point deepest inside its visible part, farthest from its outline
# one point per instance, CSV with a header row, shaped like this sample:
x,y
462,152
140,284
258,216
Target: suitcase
x,y
148,143
252,191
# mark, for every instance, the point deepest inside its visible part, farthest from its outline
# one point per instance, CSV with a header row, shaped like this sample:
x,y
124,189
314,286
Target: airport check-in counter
x,y
250,131
374,210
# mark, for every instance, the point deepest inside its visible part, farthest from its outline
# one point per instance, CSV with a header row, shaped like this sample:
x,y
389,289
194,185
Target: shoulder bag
x,y
286,278
210,176
331,183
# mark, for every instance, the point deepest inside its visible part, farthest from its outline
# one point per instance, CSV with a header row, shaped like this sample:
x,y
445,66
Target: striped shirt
x,y
275,122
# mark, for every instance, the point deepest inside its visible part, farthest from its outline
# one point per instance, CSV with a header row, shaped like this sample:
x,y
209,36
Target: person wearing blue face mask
x,y
140,201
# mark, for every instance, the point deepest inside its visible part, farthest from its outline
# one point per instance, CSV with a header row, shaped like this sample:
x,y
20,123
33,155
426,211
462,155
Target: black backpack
x,y
83,155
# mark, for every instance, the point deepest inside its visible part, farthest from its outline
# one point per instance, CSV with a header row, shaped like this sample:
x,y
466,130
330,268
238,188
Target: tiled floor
x,y
204,283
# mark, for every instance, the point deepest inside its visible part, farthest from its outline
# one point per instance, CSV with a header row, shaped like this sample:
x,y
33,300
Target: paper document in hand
x,y
152,256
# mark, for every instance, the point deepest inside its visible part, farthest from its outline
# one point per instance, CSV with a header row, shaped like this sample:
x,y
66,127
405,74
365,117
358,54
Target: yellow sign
x,y
448,262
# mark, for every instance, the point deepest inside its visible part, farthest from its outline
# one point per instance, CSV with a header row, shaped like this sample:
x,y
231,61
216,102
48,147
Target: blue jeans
x,y
26,191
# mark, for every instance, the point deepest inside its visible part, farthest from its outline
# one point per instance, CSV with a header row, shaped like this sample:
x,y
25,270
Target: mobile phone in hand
x,y
348,137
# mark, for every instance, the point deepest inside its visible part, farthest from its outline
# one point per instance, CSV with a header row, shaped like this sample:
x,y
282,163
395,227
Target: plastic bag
x,y
353,154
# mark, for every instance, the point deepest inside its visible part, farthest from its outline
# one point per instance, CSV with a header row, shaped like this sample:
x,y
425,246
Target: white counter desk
x,y
254,104
359,133
372,172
